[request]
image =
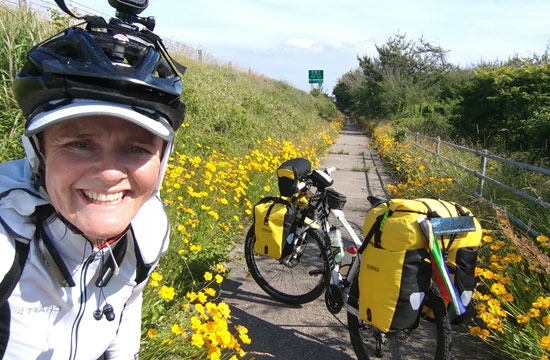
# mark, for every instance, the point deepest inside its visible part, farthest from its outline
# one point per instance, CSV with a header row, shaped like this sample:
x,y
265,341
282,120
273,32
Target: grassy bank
x,y
513,297
239,127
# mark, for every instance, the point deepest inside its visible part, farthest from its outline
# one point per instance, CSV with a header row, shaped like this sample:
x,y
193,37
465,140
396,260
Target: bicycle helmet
x,y
122,67
109,69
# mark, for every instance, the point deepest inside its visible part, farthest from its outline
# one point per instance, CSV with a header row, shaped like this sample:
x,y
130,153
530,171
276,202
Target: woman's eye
x,y
138,150
79,144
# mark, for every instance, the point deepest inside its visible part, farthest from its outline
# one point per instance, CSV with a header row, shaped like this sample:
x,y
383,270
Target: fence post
x,y
416,137
438,146
199,52
483,172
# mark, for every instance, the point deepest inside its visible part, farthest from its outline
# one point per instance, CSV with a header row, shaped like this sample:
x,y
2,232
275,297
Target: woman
x,y
81,222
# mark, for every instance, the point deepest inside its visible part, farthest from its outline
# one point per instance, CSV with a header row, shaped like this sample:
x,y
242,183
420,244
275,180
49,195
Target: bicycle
x,y
310,269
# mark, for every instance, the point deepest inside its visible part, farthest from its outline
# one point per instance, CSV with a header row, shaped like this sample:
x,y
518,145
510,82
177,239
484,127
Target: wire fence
x,y
173,45
482,174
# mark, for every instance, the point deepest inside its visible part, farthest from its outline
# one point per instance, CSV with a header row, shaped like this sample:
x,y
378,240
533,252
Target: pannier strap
x,y
266,219
275,201
461,211
430,214
376,231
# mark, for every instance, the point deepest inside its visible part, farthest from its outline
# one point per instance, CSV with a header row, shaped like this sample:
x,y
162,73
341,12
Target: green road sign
x,y
315,76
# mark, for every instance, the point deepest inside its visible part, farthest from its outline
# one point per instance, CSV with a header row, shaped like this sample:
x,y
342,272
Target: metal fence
x,y
481,173
174,46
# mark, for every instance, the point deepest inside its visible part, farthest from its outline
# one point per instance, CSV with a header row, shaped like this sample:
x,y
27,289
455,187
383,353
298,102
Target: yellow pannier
x,y
274,220
395,271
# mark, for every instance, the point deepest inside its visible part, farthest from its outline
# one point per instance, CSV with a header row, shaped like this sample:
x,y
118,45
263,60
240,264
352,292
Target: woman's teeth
x,y
102,198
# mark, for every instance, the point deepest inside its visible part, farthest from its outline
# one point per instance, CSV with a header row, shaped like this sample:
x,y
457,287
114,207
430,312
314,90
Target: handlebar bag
x,y
395,271
274,222
290,173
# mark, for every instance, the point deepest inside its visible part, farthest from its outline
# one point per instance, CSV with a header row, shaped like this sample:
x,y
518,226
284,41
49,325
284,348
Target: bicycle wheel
x,y
295,279
425,342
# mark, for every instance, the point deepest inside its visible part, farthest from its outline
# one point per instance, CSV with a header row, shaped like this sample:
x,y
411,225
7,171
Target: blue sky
x,y
284,39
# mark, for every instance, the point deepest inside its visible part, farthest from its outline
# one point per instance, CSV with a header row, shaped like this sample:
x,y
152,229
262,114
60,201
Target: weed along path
x,y
309,331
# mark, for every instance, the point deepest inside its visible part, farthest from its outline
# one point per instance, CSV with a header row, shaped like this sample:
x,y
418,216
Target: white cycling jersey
x,y
42,319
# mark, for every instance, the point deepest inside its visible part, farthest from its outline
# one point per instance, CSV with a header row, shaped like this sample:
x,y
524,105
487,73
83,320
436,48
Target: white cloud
x,y
303,43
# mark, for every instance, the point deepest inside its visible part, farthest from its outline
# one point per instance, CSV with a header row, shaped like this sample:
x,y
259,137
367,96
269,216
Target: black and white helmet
x,y
113,65
100,68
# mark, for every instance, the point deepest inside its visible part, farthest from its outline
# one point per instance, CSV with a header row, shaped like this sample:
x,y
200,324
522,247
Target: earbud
x,y
98,314
107,310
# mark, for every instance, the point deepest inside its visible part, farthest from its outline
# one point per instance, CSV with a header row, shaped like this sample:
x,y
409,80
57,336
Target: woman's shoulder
x,y
16,174
151,230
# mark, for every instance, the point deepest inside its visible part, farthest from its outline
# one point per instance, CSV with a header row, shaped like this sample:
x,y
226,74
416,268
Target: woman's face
x,y
99,172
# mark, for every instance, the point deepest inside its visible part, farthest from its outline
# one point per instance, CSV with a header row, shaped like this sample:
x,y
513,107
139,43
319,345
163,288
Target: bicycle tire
x,y
296,279
418,345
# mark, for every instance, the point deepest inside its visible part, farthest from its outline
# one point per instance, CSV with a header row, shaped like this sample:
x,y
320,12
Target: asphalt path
x,y
310,331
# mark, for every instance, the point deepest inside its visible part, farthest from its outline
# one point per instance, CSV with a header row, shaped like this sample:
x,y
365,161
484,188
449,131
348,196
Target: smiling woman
x,y
81,221
99,177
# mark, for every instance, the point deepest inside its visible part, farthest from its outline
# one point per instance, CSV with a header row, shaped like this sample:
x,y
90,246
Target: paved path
x,y
309,331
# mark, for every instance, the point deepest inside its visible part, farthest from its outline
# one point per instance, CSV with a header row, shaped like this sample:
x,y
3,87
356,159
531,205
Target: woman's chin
x,y
103,231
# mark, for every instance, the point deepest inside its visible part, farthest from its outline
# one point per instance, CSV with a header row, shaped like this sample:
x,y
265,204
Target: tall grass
x,y
238,129
512,299
232,109
19,31
529,182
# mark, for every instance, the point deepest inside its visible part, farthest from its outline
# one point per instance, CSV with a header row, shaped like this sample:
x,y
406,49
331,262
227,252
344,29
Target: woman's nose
x,y
111,167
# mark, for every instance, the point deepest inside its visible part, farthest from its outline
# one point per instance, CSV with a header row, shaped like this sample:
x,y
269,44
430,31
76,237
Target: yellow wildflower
x,y
201,297
498,289
176,329
220,267
533,312
542,303
191,295
223,308
545,342
210,292
195,248
197,340
166,292
152,333
156,276
522,319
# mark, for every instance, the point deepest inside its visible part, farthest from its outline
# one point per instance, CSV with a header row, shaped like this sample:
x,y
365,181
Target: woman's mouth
x,y
103,198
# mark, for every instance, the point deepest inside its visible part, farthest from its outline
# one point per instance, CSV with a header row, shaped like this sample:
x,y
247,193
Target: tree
x,y
403,75
346,89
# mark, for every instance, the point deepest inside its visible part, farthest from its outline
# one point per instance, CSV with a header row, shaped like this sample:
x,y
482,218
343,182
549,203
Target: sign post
x,y
316,77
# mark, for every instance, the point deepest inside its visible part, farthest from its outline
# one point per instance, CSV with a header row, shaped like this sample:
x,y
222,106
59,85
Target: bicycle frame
x,y
322,211
354,270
